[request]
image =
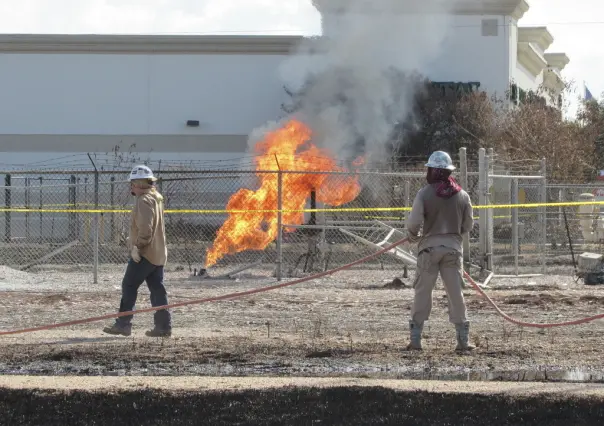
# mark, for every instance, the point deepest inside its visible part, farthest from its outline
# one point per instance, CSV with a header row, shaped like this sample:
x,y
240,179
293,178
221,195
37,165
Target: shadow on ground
x,y
293,406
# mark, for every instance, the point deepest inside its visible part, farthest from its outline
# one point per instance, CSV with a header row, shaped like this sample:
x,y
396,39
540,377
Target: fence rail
x,y
78,221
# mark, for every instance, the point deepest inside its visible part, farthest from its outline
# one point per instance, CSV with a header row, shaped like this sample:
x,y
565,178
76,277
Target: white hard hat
x,y
142,172
440,160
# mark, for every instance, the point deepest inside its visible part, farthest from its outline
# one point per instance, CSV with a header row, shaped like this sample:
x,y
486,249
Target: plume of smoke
x,y
355,81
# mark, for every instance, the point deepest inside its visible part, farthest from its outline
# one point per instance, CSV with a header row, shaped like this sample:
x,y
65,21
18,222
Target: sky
x,y
577,26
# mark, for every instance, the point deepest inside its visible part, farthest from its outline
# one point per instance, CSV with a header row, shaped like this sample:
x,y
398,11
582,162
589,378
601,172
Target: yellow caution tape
x,y
336,210
475,217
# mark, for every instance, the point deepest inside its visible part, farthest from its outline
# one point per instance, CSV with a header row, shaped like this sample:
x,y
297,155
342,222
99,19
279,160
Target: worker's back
x,y
446,219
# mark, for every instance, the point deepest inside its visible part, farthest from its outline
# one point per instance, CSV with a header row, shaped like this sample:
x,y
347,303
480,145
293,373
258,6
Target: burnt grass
x,y
303,406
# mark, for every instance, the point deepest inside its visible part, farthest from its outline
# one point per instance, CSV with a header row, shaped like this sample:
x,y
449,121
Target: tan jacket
x,y
147,230
444,220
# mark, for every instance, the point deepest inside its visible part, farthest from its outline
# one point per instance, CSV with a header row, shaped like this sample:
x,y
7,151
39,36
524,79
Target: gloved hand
x,y
134,253
413,238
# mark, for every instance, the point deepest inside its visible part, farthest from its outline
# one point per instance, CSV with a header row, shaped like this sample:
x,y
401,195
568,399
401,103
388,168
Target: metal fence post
x,y
112,203
279,225
73,229
408,202
40,214
482,222
27,206
7,204
489,167
463,178
96,228
514,200
543,217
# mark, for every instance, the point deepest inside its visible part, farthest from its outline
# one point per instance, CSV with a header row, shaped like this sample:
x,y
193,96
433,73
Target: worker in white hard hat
x,y
444,210
148,255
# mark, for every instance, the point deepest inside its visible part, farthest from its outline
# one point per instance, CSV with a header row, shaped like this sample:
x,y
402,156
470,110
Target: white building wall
x,y
130,94
467,55
525,79
511,29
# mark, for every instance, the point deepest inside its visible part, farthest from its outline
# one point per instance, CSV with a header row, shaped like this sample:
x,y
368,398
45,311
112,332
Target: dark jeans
x,y
136,273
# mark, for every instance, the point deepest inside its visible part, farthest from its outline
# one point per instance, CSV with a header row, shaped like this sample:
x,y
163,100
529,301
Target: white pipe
x,y
519,276
516,177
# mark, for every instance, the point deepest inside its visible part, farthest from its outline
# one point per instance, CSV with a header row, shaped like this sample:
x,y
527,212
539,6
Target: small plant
x,y
505,332
552,336
317,323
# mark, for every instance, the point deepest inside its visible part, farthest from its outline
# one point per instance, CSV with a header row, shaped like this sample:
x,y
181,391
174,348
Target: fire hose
x,y
288,284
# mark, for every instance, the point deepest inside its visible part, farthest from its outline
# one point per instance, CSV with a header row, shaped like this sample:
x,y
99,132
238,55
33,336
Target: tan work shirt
x,y
444,220
147,229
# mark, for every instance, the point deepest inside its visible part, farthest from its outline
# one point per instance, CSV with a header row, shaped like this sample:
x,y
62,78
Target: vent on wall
x,y
490,28
192,123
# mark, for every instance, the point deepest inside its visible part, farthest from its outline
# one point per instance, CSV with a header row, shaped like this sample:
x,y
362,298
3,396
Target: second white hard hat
x,y
440,160
142,172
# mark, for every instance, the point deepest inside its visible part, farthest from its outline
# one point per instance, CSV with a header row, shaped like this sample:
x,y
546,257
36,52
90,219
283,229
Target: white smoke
x,y
354,59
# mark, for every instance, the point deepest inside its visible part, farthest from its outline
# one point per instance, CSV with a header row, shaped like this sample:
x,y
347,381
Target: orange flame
x,y
287,148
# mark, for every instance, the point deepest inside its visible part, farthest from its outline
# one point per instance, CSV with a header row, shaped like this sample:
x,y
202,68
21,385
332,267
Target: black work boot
x,y
163,324
118,329
158,332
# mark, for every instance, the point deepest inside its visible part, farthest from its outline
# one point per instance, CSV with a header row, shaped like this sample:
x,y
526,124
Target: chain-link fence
x,y
223,220
78,222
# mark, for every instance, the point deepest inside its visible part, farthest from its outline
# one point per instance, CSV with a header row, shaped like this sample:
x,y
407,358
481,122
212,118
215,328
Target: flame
x,y
287,148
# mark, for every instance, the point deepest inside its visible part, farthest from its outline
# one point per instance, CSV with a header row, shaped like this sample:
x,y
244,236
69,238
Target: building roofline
x,y
169,44
538,35
514,8
557,60
530,58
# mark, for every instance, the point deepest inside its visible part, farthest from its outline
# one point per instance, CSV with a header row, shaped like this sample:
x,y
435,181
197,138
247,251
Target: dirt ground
x,y
348,324
330,351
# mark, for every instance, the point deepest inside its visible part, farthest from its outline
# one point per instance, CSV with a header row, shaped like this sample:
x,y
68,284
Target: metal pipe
x,y
285,226
7,204
96,230
463,172
407,200
279,226
517,177
27,206
40,214
543,218
515,242
518,276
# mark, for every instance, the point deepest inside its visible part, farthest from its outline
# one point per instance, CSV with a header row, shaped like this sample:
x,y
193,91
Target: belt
x,y
429,249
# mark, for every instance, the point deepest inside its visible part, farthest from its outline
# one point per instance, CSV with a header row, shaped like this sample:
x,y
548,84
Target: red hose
x,y
529,324
287,284
205,300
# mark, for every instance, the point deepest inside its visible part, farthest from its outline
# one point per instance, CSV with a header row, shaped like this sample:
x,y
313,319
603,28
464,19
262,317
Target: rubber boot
x,y
415,333
463,336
